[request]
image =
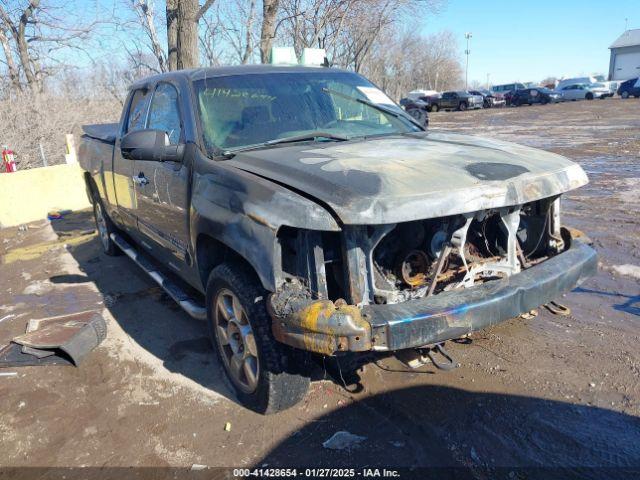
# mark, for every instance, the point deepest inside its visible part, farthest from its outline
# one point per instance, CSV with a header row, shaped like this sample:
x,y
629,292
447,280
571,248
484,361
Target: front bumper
x,y
324,327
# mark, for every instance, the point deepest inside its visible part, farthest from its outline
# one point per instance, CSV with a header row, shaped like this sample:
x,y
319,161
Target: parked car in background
x,y
531,96
583,91
610,86
417,94
490,99
507,90
508,87
458,100
630,88
417,109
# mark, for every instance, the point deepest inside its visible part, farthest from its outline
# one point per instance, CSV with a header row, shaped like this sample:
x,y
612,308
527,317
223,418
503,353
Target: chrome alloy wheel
x,y
236,341
101,224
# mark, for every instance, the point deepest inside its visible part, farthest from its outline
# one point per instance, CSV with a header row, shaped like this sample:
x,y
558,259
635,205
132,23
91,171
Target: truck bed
x,y
105,132
96,147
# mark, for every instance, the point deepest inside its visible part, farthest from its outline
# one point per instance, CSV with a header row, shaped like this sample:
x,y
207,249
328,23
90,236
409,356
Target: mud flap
x,y
67,336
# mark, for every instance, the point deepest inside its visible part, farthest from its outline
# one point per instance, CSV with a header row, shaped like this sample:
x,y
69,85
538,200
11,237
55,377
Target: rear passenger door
x,y
162,187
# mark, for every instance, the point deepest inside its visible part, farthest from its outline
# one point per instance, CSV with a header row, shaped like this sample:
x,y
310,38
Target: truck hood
x,y
415,176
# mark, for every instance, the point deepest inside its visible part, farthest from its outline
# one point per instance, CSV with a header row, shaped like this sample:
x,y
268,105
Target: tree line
x,y
41,38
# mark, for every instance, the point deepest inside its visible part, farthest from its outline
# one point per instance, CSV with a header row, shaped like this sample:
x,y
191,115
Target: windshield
x,y
244,110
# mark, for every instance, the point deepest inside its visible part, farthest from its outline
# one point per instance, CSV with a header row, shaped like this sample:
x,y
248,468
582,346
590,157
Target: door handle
x,y
140,179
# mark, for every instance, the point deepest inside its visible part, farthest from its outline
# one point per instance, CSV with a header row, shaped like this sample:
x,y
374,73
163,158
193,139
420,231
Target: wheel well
x,y
211,252
92,188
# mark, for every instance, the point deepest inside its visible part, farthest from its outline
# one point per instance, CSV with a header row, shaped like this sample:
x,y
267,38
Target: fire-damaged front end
x,y
441,242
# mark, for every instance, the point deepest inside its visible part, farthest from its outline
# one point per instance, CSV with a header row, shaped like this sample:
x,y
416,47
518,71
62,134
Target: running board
x,y
174,291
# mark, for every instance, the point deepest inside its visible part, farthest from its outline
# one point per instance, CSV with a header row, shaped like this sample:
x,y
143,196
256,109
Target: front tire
x,y
589,96
462,107
434,108
264,373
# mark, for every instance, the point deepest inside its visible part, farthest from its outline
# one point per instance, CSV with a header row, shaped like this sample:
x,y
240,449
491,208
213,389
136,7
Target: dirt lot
x,y
547,392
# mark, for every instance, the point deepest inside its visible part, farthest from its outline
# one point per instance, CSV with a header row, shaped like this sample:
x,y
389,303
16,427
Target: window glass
x,y
138,110
243,110
164,113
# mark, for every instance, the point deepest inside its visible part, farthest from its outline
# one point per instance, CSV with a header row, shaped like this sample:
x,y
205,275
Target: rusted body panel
x,y
415,176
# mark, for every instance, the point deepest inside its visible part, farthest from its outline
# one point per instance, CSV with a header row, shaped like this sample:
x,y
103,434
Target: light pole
x,y
467,52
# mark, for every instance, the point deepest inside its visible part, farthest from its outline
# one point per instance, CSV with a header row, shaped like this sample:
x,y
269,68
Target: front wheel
x,y
434,108
462,107
624,95
266,376
589,96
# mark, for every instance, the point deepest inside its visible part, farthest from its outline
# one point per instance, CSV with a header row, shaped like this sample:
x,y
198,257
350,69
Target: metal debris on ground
x,y
343,441
227,427
558,309
8,374
65,339
529,315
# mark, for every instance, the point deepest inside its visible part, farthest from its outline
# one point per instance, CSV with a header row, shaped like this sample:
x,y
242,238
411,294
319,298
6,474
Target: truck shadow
x,y
484,435
632,305
142,310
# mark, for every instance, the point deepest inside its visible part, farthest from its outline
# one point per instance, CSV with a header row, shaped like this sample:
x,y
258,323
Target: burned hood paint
x,y
409,177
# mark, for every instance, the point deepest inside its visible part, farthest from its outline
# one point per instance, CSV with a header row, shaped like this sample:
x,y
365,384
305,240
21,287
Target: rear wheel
x,y
624,94
105,228
267,376
434,108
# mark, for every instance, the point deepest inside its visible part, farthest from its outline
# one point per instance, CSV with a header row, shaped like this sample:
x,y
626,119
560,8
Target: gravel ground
x,y
546,392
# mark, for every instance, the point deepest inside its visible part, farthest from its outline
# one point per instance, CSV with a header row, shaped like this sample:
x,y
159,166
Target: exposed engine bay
x,y
387,264
422,258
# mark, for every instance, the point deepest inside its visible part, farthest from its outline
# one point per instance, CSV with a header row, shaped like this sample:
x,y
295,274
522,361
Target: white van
x,y
612,86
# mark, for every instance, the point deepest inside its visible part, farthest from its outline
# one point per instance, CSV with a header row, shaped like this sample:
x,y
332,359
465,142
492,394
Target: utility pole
x,y
488,75
467,52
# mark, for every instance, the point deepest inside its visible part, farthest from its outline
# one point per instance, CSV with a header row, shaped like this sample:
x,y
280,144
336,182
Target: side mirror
x,y
150,145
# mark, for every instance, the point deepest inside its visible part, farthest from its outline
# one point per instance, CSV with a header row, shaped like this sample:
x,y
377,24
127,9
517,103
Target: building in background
x,y
625,56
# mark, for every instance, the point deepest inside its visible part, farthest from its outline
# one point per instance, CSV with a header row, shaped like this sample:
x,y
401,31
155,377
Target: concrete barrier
x,y
29,195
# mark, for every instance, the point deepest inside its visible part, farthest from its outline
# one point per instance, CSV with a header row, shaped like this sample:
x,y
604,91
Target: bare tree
x,y
183,17
270,9
230,32
34,32
405,61
145,10
12,68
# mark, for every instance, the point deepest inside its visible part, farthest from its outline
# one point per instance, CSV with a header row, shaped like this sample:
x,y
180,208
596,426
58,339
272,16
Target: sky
x,y
529,41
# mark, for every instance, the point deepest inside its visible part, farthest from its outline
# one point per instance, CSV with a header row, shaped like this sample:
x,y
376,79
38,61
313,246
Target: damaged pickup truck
x,y
300,212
